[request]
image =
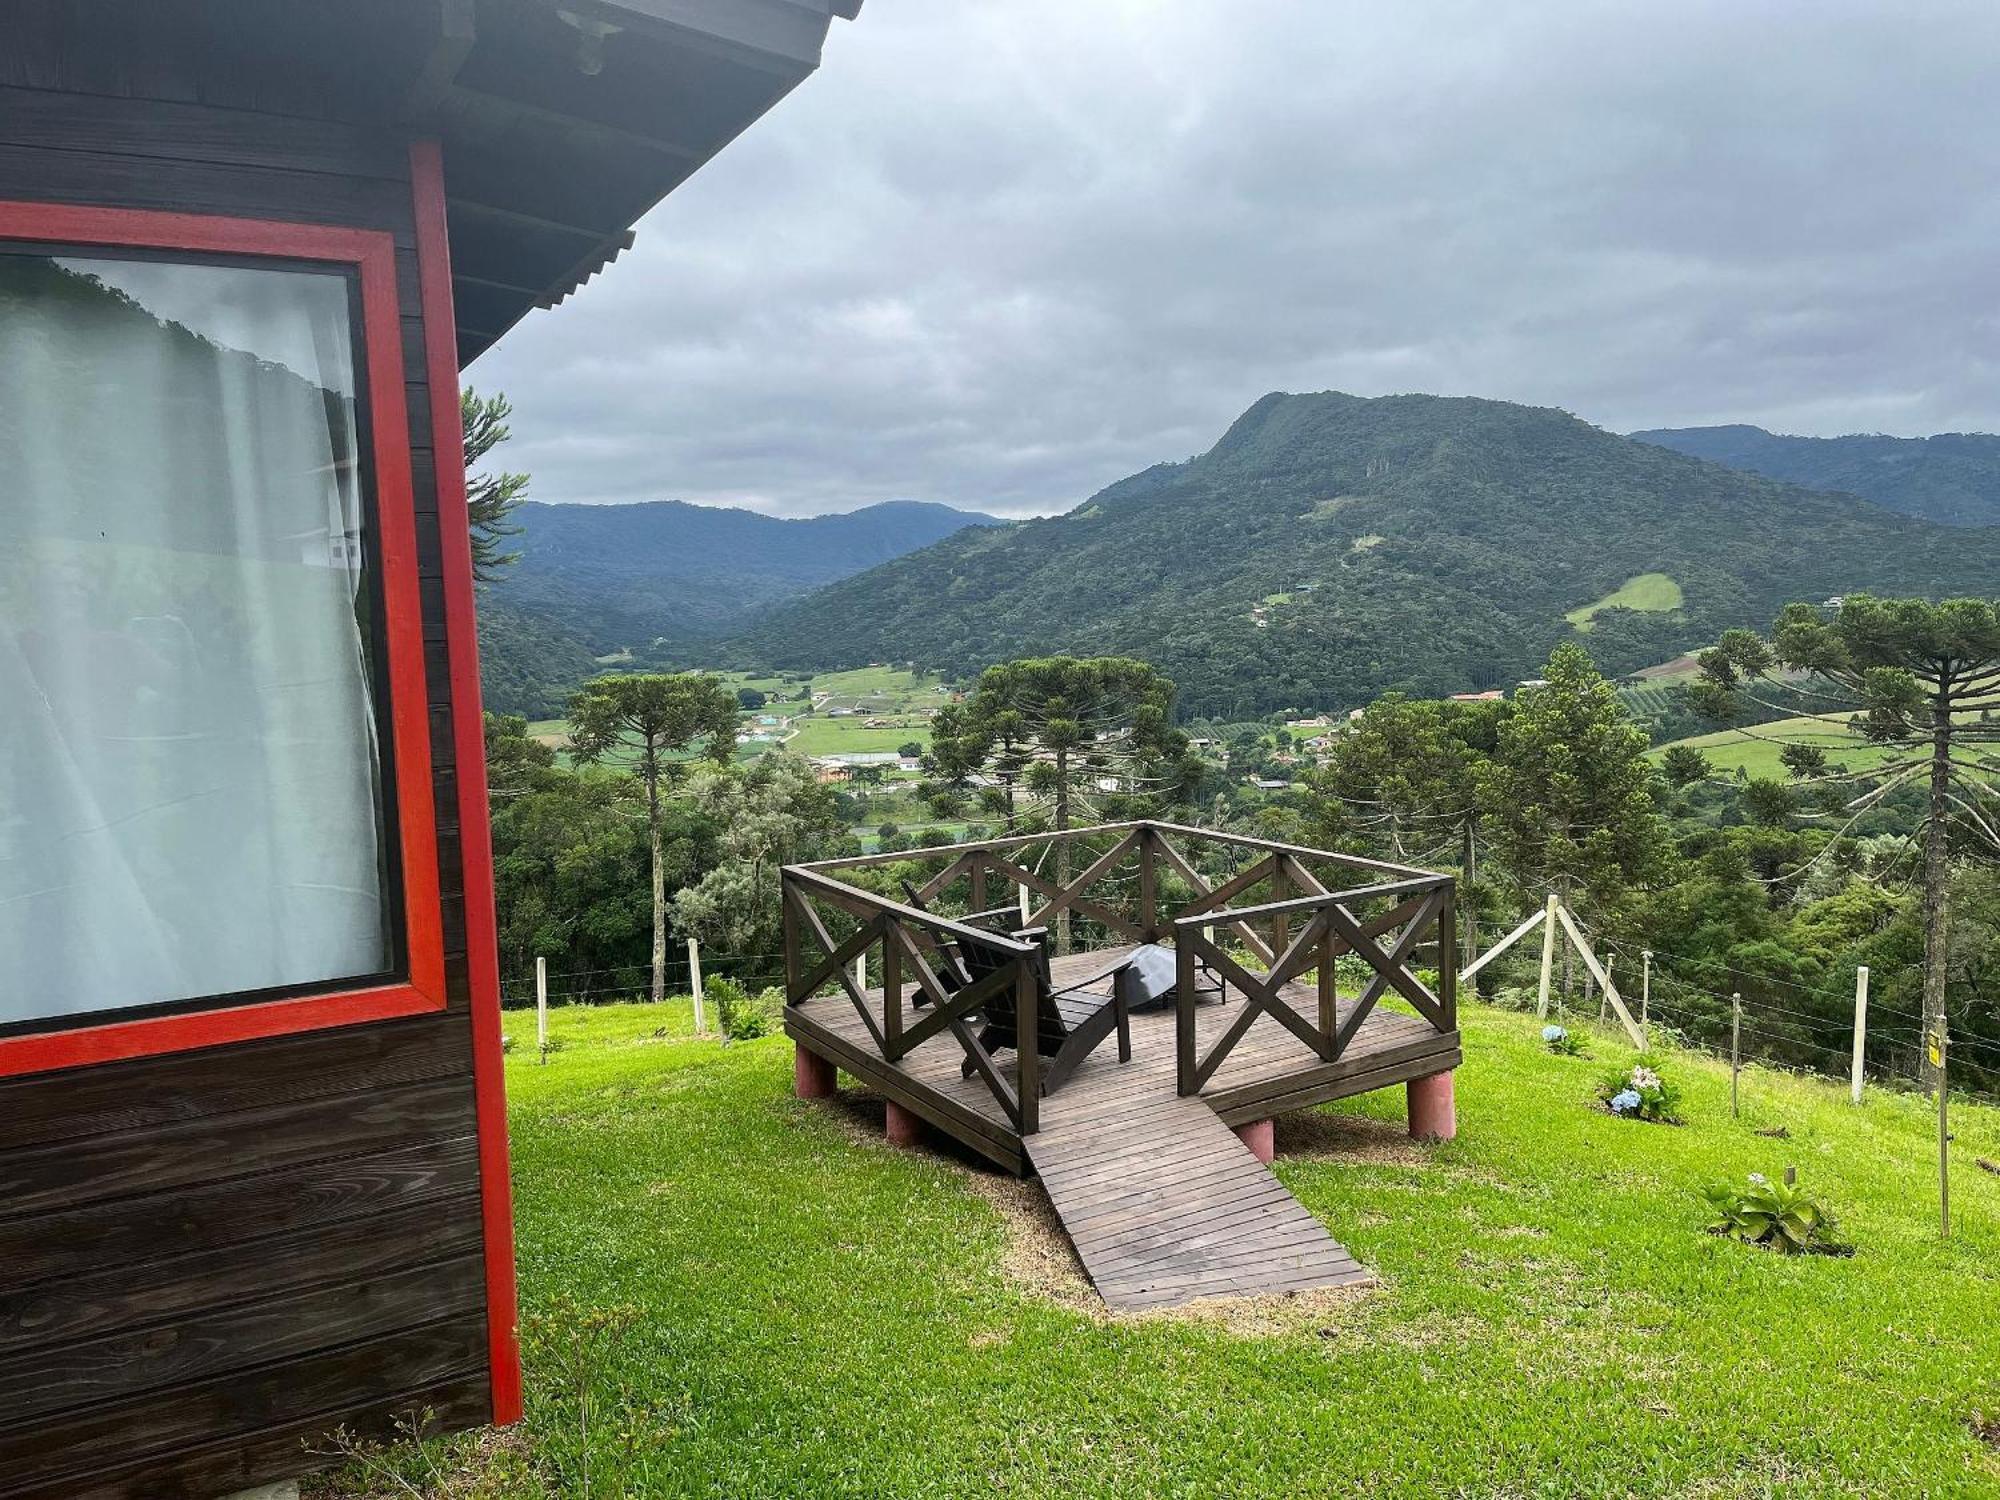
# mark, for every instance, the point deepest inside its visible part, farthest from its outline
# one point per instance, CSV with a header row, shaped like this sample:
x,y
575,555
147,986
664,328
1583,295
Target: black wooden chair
x,y
950,967
1069,1023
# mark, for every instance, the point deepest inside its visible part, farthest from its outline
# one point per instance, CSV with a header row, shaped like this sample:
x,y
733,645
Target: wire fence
x,y
1728,1011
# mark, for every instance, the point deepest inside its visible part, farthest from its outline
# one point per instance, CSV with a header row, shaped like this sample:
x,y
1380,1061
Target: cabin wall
x,y
210,1258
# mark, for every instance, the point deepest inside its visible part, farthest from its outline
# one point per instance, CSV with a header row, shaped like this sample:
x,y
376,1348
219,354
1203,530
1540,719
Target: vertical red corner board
x,y
372,255
468,725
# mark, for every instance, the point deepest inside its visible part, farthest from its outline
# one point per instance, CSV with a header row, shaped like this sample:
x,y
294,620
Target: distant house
x,y
827,774
1528,682
1268,783
1492,695
908,763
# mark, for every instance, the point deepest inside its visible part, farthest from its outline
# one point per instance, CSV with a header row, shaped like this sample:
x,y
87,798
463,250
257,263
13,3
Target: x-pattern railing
x,y
1297,923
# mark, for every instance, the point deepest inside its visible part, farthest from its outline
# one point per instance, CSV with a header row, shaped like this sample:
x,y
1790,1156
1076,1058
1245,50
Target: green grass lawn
x,y
821,1315
1729,750
1652,593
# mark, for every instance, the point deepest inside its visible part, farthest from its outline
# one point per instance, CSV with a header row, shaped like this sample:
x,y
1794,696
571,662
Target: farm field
x,y
815,1313
1651,593
869,693
1730,750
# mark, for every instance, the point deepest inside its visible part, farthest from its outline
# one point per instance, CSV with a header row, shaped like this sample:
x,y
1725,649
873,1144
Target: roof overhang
x,y
564,121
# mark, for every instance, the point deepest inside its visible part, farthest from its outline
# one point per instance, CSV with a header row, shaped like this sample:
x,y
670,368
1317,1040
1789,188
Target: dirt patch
x,y
1314,1135
1039,1260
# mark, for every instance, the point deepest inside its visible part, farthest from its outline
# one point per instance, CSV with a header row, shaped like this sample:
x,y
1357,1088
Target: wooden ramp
x,y
1164,1204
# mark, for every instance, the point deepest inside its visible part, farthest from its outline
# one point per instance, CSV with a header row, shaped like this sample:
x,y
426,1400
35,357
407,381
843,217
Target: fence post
x,y
1860,1029
694,982
1548,954
1735,1047
1645,989
1939,1044
542,1006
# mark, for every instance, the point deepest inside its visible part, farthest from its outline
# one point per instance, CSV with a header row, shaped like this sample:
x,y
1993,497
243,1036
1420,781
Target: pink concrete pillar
x,y
1433,1111
906,1128
1259,1136
813,1077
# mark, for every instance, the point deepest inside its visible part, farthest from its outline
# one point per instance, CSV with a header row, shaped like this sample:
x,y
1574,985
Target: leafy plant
x,y
1639,1092
1562,1042
742,1016
1777,1215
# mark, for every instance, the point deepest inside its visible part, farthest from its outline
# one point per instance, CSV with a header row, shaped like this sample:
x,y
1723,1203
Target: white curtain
x,y
190,783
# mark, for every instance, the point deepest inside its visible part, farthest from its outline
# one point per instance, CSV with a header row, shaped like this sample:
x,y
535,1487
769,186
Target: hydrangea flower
x,y
1623,1101
1645,1078
1553,1033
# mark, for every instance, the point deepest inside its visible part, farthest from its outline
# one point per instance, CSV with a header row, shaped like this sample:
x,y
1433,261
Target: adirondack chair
x,y
950,966
1070,1022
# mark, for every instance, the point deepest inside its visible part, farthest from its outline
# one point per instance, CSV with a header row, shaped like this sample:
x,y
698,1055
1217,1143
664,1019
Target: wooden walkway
x,y
1164,1204
1161,1199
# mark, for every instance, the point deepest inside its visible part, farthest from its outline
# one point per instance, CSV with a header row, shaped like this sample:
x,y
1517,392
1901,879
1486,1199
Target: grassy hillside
x,y
1648,593
1729,751
1418,543
818,1314
1953,477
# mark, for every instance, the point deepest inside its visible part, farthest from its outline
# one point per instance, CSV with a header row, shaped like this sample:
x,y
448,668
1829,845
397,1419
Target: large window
x,y
198,805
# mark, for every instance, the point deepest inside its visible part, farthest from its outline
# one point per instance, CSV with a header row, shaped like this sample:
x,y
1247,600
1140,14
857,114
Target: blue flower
x,y
1553,1033
1625,1100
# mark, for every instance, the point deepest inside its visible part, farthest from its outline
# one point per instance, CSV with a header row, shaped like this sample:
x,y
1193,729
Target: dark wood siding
x,y
209,1259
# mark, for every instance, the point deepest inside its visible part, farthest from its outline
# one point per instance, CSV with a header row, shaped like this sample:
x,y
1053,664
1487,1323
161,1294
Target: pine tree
x,y
1568,793
1922,678
649,717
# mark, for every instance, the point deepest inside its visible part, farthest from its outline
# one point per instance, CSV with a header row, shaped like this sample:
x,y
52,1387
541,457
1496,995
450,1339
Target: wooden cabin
x,y
253,1151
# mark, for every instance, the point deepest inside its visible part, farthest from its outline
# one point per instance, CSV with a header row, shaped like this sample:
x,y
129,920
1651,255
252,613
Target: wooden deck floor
x,y
1162,1201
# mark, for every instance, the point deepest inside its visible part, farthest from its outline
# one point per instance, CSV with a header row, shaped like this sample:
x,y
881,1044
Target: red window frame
x,y
371,254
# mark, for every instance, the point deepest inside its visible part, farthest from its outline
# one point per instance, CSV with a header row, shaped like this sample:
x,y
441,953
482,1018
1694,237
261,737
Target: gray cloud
x,y
1001,252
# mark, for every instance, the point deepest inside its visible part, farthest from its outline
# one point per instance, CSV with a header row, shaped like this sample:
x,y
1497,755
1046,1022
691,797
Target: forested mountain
x,y
657,578
1953,477
1330,548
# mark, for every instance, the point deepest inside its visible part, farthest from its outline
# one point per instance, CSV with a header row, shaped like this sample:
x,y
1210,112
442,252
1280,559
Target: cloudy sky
x,y
999,253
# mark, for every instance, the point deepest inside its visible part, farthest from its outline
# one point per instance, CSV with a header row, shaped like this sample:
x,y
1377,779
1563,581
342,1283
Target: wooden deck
x,y
1161,1199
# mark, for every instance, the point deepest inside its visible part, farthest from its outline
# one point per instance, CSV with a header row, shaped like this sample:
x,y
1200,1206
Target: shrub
x,y
741,1016
1777,1215
1560,1041
1638,1092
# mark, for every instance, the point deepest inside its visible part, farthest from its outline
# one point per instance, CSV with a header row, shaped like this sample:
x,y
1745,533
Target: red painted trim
x,y
373,254
469,737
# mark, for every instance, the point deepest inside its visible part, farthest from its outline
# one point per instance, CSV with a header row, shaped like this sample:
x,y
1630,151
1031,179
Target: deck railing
x,y
1139,882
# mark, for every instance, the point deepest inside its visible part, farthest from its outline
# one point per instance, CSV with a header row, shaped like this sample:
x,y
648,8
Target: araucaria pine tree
x,y
648,718
1062,742
1919,677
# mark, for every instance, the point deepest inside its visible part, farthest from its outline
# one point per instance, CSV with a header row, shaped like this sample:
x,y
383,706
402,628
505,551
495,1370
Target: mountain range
x,y
658,579
1332,547
1953,477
